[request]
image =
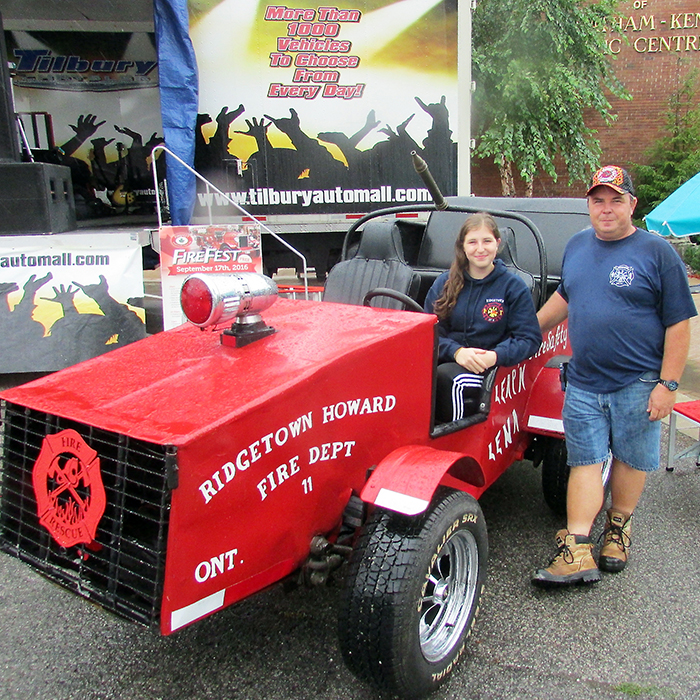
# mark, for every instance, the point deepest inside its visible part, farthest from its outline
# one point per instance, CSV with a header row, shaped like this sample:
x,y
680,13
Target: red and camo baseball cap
x,y
612,176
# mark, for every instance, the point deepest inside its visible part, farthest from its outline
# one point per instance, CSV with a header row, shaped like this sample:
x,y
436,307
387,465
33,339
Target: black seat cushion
x,y
379,262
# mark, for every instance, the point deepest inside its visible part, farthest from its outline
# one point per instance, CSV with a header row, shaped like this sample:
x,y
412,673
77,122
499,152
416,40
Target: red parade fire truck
x,y
183,473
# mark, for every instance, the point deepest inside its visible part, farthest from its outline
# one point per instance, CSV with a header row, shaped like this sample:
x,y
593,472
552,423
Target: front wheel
x,y
412,593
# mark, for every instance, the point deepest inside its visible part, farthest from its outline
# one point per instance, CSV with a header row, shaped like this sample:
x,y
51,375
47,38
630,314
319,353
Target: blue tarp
x,y
177,70
679,213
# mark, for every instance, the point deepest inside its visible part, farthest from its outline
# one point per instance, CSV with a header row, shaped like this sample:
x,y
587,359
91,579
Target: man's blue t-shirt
x,y
622,296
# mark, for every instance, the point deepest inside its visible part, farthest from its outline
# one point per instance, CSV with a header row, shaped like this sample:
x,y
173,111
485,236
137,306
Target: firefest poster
x,y
63,298
316,108
214,249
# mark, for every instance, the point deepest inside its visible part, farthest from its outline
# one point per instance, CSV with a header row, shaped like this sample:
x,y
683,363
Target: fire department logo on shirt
x,y
492,311
622,276
68,487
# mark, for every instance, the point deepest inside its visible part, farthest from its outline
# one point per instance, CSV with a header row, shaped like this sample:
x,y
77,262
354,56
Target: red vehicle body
x,y
178,475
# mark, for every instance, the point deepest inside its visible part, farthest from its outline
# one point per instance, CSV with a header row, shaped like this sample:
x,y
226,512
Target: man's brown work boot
x,y
616,541
573,562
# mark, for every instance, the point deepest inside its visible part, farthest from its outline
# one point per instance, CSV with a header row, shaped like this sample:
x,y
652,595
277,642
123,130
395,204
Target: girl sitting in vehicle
x,y
486,318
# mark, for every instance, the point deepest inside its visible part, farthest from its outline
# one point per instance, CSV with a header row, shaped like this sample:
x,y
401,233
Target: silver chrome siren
x,y
211,300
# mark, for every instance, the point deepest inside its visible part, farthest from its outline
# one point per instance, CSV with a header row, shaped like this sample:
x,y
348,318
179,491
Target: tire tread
x,y
377,597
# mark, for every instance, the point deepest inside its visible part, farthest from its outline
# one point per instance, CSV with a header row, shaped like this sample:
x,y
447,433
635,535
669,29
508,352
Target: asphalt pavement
x,y
633,635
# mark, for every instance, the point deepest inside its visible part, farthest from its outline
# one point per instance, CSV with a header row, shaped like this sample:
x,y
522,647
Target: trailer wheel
x,y
412,593
555,474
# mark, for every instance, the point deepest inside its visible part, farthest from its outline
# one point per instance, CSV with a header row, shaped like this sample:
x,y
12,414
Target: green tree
x,y
675,157
538,65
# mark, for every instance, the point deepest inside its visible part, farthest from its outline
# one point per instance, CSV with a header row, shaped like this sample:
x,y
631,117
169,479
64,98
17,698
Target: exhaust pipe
x,y
421,167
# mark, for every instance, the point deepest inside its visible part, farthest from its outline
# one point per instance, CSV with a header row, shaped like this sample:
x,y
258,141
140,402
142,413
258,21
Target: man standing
x,y
625,292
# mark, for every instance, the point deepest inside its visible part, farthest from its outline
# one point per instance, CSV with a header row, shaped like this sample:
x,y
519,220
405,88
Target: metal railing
x,y
213,187
23,138
41,140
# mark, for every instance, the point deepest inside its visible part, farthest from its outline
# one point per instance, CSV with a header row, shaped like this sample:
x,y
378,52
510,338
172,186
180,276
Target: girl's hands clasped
x,y
475,360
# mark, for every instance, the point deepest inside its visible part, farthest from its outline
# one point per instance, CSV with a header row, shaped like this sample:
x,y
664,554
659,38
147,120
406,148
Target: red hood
x,y
171,387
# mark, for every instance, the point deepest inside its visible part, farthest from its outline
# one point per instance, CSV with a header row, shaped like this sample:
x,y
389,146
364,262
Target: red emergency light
x,y
211,300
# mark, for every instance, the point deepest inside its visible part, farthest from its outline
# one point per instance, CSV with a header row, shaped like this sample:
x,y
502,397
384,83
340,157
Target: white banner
x,y
63,298
316,109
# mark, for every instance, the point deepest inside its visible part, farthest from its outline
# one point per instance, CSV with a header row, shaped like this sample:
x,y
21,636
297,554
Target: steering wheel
x,y
392,294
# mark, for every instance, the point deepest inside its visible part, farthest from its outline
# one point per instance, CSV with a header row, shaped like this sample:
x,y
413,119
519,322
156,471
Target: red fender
x,y
543,413
406,479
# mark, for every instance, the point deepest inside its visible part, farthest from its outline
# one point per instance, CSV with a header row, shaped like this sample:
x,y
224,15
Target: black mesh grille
x,y
124,572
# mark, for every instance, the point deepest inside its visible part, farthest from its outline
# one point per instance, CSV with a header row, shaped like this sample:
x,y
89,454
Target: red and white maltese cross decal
x,y
68,486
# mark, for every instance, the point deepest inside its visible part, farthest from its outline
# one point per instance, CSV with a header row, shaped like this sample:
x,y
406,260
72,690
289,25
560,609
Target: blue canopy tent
x,y
679,214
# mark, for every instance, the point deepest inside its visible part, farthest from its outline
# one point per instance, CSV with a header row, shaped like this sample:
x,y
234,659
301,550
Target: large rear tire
x,y
412,593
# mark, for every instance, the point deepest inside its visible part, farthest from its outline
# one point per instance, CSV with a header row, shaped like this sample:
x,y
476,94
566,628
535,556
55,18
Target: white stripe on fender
x,y
190,613
400,502
555,425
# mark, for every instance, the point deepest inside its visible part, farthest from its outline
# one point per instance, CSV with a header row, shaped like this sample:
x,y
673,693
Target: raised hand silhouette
x,y
98,291
224,118
439,150
22,341
33,283
313,157
154,141
119,318
256,129
289,125
134,135
86,126
31,286
64,295
437,110
8,287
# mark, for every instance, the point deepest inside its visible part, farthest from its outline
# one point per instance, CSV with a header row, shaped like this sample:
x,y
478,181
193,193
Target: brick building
x,y
656,44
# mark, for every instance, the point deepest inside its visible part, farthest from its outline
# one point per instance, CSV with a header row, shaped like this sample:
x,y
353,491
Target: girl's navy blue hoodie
x,y
494,313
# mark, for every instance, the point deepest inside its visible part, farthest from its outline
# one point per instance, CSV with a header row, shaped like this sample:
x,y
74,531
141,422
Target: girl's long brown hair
x,y
455,280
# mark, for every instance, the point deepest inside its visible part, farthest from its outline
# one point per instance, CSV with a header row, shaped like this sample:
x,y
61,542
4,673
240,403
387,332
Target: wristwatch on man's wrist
x,y
670,385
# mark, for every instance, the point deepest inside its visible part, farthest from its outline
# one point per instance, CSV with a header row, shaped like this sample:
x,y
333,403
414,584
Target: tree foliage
x,y
538,64
675,157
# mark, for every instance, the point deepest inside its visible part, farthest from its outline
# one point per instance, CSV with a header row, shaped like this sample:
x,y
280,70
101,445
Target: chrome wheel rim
x,y
448,596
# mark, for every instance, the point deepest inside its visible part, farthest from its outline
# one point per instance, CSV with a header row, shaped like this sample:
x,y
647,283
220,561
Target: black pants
x,y
458,392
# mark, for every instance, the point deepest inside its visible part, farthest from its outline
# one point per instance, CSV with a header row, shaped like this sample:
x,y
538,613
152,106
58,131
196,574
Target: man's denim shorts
x,y
596,424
